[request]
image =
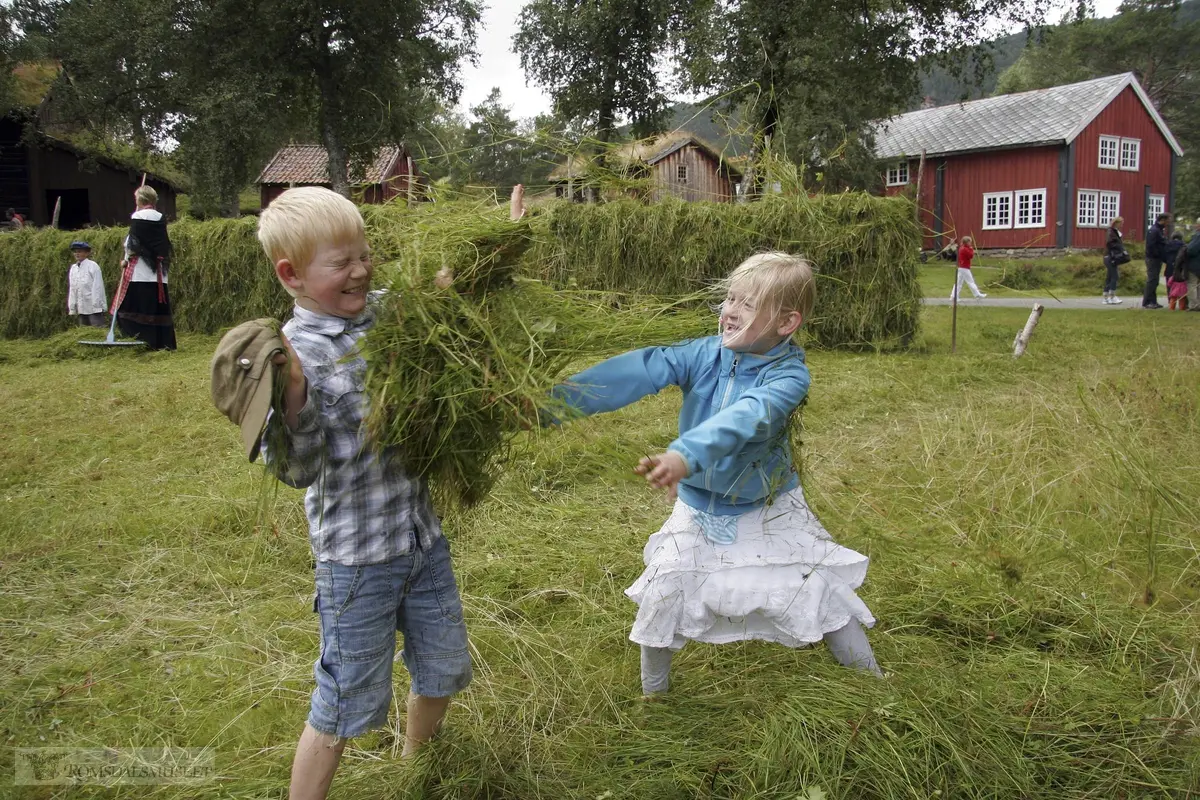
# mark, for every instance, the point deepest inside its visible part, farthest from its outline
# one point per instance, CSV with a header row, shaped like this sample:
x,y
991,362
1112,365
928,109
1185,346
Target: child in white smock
x,y
741,556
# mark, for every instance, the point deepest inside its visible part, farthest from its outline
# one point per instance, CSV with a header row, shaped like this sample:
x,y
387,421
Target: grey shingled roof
x,y
1044,116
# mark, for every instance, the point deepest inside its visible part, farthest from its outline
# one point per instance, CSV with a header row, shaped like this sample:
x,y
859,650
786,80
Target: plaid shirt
x,y
361,506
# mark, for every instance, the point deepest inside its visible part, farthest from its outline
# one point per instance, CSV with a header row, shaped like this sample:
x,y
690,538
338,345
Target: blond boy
x,y
382,564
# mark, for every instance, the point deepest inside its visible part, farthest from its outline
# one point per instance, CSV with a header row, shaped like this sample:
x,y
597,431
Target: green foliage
x,y
815,75
599,61
219,276
862,247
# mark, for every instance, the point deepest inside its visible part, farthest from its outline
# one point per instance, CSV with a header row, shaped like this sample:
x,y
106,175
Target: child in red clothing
x,y
966,251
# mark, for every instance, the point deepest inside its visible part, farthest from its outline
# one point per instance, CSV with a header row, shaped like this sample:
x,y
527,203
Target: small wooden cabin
x,y
679,164
38,172
388,176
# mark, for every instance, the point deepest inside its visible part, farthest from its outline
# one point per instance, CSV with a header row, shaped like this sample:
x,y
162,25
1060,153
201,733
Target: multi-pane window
x,y
1158,205
1085,216
997,210
681,173
1109,148
1110,208
1120,153
897,174
1131,150
1031,208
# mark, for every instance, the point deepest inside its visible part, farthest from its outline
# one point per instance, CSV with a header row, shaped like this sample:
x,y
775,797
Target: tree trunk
x,y
229,205
335,148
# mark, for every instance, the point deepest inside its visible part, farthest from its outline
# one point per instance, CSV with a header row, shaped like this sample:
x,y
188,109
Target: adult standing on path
x,y
1156,240
1114,253
145,309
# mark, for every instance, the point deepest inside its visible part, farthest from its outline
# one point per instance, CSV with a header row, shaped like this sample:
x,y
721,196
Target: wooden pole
x,y
1022,340
954,314
57,209
410,180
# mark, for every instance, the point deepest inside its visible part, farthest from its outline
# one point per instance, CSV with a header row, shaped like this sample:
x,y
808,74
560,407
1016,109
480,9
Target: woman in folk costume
x,y
143,300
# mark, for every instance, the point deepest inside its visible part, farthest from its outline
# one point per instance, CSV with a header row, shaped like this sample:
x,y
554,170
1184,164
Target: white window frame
x,y
1003,220
1091,219
1029,194
1103,221
1158,205
1133,164
897,174
1115,143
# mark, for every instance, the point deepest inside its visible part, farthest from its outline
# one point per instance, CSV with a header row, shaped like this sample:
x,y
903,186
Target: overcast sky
x,y
499,66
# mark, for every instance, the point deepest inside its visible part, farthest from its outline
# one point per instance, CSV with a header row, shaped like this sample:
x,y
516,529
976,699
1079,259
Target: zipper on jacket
x,y
724,402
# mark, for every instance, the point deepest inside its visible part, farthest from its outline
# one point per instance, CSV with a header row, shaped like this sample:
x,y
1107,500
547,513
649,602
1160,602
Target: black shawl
x,y
148,239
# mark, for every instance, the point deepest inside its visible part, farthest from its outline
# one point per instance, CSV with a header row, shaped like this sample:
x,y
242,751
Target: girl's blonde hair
x,y
145,196
776,283
300,220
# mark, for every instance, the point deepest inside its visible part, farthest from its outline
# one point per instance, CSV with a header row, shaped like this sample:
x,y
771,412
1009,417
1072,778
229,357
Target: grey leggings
x,y
849,646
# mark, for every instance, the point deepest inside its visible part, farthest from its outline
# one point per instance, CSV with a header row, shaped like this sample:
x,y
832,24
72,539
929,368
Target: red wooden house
x,y
386,177
1043,169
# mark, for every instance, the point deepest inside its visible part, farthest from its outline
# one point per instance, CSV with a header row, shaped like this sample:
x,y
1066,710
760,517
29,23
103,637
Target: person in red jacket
x,y
966,251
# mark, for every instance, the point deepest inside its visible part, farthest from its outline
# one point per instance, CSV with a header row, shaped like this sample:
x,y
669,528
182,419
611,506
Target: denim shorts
x,y
361,608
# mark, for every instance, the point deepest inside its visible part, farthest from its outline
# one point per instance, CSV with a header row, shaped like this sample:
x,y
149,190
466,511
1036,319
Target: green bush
x,y
863,248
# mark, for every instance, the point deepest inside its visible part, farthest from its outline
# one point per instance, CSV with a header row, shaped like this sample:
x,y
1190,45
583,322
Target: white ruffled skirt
x,y
783,579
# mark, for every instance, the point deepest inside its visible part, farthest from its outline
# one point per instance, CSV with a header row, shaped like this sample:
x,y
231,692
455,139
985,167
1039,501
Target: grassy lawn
x,y
1032,527
1078,275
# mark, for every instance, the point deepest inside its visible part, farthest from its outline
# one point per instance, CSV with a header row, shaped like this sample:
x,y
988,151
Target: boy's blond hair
x,y
145,196
776,283
300,220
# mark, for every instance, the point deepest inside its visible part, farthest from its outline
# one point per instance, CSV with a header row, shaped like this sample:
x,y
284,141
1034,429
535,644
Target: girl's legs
x,y
850,647
970,279
1171,301
656,668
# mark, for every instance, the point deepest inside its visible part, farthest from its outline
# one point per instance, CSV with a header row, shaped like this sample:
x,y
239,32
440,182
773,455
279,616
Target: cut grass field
x,y
1076,275
1032,527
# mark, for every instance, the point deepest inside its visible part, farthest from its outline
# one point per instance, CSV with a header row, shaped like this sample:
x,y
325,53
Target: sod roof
x,y
647,151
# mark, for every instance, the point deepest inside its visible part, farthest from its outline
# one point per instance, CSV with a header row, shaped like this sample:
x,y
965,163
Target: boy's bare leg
x,y
317,757
425,716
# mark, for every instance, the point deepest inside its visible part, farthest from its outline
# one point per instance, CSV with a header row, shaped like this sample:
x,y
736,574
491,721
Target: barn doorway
x,y
75,213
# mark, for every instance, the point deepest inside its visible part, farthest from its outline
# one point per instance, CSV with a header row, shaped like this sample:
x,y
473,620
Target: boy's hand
x,y
444,278
295,394
664,471
516,203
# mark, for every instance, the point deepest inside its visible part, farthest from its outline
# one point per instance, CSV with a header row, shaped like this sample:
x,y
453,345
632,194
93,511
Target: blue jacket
x,y
733,427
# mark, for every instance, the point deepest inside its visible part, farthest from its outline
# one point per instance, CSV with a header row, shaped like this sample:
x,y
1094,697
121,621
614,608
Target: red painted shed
x,y
386,177
1048,168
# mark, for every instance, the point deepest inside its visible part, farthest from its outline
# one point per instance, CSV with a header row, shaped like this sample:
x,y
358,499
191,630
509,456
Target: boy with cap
x,y
85,287
382,564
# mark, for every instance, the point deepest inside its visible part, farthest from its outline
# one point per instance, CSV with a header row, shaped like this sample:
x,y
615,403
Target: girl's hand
x,y
664,471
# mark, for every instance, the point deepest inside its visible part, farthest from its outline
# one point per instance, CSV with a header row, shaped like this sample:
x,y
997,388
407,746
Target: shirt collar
x,y
329,325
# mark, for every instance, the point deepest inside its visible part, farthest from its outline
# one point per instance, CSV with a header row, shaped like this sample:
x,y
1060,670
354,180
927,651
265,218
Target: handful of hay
x,y
455,372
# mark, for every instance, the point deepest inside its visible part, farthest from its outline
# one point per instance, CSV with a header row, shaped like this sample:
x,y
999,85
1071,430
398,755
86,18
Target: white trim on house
x,y
1035,211
901,174
1103,218
1091,209
1002,210
1158,205
1137,154
1129,80
1113,151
